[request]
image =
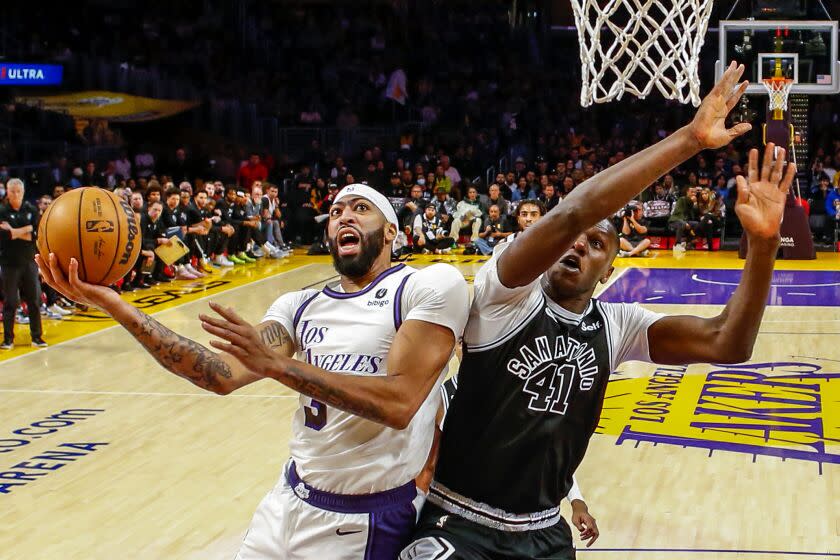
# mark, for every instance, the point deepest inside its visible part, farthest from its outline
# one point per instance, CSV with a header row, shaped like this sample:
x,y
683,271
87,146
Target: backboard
x,y
804,50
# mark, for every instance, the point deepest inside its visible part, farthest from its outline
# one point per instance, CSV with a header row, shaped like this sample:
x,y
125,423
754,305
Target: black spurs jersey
x,y
529,395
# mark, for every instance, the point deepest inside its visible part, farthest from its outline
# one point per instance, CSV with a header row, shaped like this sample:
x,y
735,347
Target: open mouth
x,y
348,241
571,261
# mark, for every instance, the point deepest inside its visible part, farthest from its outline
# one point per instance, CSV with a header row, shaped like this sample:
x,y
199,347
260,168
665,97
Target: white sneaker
x,y
623,254
269,247
59,310
257,252
191,269
54,316
184,274
222,260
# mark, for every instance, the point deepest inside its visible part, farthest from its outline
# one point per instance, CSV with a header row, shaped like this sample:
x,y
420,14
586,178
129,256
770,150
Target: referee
x,y
18,226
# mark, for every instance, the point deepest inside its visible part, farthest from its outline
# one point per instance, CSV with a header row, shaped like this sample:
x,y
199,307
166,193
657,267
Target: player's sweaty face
x,y
356,235
586,262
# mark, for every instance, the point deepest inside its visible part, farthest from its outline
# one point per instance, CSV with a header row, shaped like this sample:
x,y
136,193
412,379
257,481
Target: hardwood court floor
x,y
705,462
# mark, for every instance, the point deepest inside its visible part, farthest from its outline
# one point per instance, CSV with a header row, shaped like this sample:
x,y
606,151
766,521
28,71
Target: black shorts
x,y
445,536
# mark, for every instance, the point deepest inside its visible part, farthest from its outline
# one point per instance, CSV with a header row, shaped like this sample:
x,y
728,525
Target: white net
x,y
778,90
633,45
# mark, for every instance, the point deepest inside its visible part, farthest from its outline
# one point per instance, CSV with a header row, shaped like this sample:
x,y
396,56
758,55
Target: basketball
x,y
95,227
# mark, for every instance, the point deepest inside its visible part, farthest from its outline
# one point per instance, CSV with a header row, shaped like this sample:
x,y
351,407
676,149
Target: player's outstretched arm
x,y
418,354
535,250
729,337
186,358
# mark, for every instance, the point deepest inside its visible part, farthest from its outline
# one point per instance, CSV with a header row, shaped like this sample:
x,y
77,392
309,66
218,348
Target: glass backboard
x,y
803,50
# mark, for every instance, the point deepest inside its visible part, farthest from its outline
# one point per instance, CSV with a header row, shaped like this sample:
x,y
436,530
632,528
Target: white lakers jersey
x,y
351,334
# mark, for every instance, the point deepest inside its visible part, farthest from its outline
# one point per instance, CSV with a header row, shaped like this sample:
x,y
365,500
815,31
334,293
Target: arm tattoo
x,y
178,354
320,389
274,335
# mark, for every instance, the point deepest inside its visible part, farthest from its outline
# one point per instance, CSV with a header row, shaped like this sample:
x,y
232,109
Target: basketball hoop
x,y
778,89
633,45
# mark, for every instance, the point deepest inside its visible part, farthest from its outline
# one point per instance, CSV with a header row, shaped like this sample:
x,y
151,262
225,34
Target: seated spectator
x,y
442,180
522,191
833,195
467,215
272,217
632,240
549,196
430,233
302,213
685,219
494,231
252,171
711,215
494,196
444,207
820,219
837,214
153,234
199,224
412,207
229,224
154,193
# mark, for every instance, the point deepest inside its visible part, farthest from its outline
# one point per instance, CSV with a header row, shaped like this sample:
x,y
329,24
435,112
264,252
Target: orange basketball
x,y
95,227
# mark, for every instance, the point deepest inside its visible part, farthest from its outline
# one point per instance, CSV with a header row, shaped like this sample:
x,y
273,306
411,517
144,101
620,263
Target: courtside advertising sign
x,y
15,74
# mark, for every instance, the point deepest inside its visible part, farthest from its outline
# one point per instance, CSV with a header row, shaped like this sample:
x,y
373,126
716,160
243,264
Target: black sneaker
x,y
7,345
39,343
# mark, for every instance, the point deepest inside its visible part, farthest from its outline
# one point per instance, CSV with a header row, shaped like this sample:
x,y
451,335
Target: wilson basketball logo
x,y
99,226
132,231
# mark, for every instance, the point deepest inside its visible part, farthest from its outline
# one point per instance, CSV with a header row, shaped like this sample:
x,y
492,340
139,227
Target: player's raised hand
x,y
71,286
709,124
761,196
258,348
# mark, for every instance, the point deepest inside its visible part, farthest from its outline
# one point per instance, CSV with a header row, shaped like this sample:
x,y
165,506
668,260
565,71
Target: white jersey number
x,y
547,386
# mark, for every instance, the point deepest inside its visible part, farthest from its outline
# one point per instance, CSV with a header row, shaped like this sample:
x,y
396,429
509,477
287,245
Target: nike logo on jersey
x,y
341,533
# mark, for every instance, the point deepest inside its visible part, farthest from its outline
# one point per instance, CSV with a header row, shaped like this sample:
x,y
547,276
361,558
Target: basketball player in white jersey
x,y
371,353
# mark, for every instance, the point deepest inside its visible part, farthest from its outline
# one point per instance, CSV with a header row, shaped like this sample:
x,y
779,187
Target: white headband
x,y
375,197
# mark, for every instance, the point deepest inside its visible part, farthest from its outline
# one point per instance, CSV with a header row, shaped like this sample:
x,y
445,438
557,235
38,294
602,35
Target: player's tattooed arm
x,y
180,355
197,364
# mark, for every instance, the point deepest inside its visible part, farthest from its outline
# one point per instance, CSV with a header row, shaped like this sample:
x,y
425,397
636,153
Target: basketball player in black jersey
x,y
538,349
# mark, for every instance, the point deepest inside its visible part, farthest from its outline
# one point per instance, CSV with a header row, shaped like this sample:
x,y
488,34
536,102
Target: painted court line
x,y
142,394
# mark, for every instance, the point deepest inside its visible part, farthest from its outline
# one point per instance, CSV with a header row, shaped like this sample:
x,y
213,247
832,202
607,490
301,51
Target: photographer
x,y
494,231
633,228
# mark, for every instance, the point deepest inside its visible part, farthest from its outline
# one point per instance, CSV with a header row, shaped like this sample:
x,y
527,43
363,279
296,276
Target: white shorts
x,y
303,523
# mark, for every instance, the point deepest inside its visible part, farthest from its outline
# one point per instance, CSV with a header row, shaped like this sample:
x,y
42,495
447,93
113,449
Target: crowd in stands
x,y
488,95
